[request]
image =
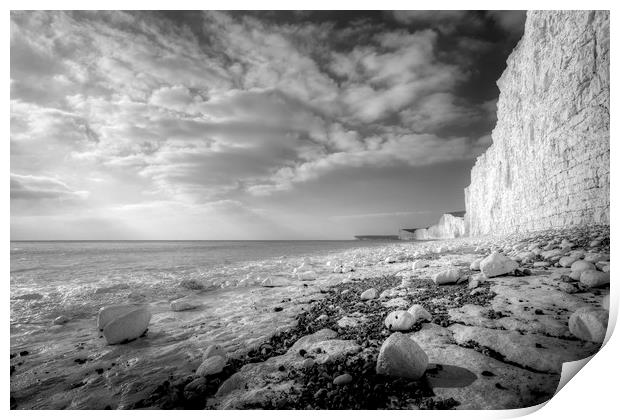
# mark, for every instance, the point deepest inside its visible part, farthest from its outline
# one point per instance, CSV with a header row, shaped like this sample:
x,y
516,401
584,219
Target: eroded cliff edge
x,y
548,165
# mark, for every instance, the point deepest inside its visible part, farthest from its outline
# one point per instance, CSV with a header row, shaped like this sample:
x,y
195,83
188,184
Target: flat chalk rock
x,y
127,327
111,312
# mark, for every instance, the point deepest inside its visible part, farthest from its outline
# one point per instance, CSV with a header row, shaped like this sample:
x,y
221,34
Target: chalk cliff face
x,y
548,165
449,226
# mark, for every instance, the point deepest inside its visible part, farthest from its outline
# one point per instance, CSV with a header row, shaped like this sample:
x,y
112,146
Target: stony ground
x,y
492,343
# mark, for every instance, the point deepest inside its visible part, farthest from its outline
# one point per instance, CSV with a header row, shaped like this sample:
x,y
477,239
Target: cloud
x,y
446,21
227,107
444,110
511,21
176,98
30,187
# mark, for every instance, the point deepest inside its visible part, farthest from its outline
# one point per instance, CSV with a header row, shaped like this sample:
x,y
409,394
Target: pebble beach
x,y
466,323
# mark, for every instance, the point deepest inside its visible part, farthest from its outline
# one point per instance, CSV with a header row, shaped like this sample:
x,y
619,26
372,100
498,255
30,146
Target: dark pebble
x,y
277,309
487,373
24,353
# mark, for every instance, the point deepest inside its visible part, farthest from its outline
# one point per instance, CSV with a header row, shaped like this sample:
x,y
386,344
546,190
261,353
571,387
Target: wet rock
x,y
497,264
589,324
575,275
567,261
593,278
400,356
195,389
419,313
595,257
110,312
399,321
419,264
369,294
127,327
541,264
551,254
211,366
182,304
348,322
581,266
447,277
343,379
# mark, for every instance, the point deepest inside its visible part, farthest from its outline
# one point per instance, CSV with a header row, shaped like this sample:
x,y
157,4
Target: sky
x,y
248,125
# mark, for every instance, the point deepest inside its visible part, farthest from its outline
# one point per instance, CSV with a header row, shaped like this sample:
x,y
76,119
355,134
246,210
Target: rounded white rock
x,y
419,313
400,356
211,366
369,294
589,324
399,321
593,278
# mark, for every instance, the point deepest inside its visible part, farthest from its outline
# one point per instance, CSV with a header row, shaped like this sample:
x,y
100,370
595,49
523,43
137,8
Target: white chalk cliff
x,y
448,226
548,165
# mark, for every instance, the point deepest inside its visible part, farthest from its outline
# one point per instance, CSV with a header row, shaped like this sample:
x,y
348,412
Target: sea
x,y
76,278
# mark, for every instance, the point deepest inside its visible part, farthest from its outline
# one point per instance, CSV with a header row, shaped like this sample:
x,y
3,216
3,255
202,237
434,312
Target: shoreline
x,y
294,301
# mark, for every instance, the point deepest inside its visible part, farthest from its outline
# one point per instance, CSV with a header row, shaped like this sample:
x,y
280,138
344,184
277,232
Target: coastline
x,y
244,320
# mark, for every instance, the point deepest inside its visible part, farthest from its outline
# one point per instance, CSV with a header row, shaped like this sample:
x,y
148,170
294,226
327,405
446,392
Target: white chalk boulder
x,y
589,324
111,312
593,278
211,366
128,326
419,313
447,276
182,304
369,294
497,264
402,357
399,321
567,261
581,266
